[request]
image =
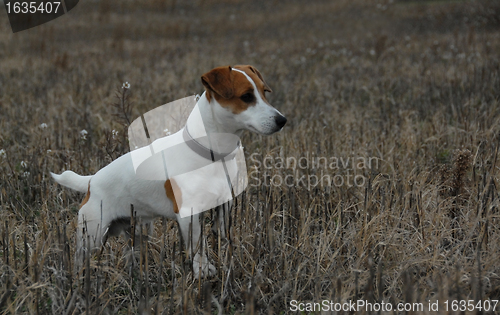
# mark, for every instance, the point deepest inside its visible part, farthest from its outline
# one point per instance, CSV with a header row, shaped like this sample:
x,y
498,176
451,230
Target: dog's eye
x,y
247,97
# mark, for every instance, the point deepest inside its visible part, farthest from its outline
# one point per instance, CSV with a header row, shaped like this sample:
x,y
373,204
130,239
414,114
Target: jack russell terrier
x,y
188,172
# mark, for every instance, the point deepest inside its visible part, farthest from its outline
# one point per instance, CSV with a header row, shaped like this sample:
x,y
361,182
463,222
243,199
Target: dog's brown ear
x,y
266,87
219,81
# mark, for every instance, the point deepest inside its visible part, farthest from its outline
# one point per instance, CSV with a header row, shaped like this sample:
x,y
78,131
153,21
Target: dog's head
x,y
238,94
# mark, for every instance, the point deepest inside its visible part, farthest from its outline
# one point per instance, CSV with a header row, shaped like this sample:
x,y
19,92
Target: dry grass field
x,y
393,114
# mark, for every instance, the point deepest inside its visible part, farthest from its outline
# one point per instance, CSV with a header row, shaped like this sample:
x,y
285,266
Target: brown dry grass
x,y
415,85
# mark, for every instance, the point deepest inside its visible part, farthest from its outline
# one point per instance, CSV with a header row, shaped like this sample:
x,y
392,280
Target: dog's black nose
x,y
280,120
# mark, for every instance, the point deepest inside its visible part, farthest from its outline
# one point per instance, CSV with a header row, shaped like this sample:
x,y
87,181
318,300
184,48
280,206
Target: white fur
x,y
73,180
115,187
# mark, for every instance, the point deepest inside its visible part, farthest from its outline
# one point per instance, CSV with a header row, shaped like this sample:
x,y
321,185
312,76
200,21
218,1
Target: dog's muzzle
x,y
280,121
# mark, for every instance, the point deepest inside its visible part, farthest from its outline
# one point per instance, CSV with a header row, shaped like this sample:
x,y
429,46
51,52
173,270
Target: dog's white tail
x,y
73,180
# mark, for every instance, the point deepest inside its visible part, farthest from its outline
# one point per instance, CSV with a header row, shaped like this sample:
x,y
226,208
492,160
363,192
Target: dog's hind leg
x,y
92,225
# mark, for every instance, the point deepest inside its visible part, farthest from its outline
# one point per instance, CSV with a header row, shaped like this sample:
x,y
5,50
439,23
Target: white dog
x,y
234,100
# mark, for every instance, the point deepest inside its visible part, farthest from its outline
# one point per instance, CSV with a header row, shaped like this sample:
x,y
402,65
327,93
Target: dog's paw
x,y
201,264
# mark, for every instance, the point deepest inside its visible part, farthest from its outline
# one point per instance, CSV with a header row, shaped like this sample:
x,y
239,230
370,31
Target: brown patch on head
x,y
257,78
219,80
172,190
87,197
231,89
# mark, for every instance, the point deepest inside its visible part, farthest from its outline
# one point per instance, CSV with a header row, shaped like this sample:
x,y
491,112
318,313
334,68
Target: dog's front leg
x,y
192,237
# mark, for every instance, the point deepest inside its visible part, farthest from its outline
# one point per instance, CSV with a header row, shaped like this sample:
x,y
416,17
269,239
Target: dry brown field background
x,y
413,85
